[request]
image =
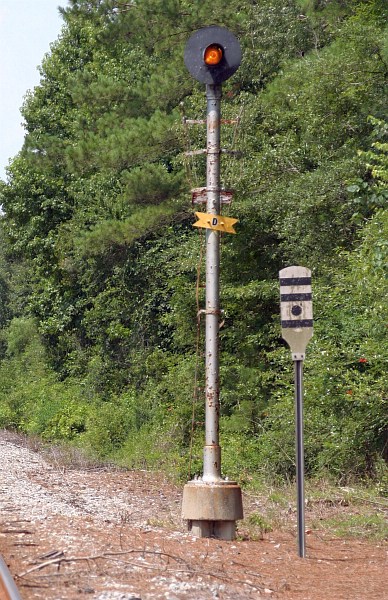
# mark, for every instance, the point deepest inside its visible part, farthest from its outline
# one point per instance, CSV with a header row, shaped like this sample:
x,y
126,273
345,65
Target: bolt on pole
x,y
212,450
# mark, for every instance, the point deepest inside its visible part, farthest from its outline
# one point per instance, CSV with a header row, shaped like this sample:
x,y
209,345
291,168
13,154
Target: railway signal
x,y
212,54
296,311
211,505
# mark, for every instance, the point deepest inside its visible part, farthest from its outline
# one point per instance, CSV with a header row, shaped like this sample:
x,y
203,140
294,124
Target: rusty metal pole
x,y
212,505
212,450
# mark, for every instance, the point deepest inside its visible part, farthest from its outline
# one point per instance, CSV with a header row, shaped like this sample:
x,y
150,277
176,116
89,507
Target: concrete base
x,y
221,530
212,509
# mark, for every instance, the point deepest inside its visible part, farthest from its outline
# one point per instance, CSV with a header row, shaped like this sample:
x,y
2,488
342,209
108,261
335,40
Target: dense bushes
x,y
100,267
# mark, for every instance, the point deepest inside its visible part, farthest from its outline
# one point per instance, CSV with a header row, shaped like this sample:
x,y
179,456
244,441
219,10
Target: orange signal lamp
x,y
213,55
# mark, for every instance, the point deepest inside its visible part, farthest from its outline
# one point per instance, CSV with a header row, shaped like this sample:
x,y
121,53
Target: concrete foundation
x,y
221,530
212,509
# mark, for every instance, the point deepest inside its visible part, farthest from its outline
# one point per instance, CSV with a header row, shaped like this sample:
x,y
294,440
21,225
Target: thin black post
x,y
299,455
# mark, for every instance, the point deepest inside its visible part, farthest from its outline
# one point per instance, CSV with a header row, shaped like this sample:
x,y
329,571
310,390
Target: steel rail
x,y
8,589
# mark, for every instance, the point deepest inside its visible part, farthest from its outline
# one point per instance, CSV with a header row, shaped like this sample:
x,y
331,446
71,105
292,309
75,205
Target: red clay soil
x,y
144,552
102,562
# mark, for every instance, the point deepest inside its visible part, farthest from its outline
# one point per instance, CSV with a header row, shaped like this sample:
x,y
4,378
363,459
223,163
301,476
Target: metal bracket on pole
x,y
297,329
199,196
187,121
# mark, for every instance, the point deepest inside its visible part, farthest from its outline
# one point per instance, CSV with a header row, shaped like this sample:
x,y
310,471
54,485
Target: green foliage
x,y
259,521
59,413
21,333
100,267
31,399
345,379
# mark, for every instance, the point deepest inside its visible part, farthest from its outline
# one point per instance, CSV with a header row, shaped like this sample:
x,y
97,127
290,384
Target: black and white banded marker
x,y
296,308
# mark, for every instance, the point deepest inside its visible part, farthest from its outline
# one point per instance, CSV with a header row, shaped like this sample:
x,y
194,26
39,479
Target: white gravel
x,y
92,511
18,492
37,490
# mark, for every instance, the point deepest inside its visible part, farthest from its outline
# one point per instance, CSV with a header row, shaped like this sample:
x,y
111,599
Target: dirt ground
x,y
106,534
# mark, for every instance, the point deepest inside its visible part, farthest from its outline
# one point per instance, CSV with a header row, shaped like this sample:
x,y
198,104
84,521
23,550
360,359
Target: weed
x,y
369,526
258,525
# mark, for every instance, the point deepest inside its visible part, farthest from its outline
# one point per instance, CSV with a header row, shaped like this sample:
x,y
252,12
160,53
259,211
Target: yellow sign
x,y
217,222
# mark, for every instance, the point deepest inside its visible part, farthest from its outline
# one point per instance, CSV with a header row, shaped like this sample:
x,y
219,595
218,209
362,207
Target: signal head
x,y
212,54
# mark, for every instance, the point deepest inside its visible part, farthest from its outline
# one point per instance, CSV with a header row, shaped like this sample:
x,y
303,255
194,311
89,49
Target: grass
x,y
366,526
359,511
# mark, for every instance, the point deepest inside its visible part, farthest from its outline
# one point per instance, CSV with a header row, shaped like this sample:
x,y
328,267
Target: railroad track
x,y
8,589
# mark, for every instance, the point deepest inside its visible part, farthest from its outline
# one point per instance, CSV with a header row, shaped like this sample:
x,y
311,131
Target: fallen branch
x,y
116,556
26,531
105,555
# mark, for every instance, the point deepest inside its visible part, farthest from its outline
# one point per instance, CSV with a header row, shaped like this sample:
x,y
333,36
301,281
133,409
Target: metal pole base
x,y
212,508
